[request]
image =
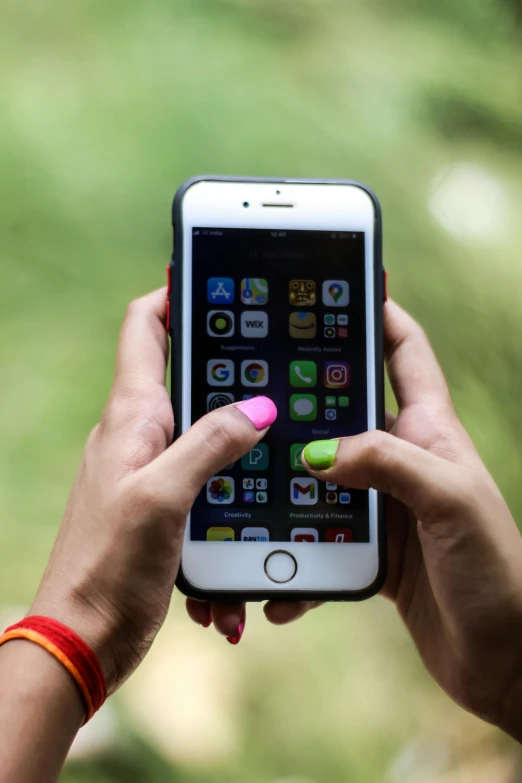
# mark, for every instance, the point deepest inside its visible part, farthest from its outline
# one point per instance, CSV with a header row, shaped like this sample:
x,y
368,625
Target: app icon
x,y
254,323
220,534
302,292
254,373
344,497
295,456
254,291
308,534
335,293
330,486
303,491
339,535
220,490
331,497
261,497
329,319
218,400
330,402
303,407
256,459
303,325
248,483
303,374
220,323
342,332
330,414
342,319
254,534
248,497
220,290
343,401
261,483
329,331
336,375
220,372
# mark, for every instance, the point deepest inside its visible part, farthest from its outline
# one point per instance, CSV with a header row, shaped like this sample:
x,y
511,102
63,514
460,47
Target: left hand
x,y
113,567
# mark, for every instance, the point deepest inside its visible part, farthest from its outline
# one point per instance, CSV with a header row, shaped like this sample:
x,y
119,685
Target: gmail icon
x,y
303,491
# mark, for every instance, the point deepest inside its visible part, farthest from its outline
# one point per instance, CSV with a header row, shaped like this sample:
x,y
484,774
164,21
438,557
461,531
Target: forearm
x,y
511,716
41,711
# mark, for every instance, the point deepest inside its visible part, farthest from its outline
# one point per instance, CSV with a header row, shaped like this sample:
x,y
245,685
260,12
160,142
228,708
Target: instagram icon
x,y
336,375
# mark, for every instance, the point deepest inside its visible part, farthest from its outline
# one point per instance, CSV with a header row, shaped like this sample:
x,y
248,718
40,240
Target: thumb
x,y
425,483
213,442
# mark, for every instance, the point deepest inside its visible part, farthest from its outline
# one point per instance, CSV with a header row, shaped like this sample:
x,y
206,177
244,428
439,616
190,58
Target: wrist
x,y
97,629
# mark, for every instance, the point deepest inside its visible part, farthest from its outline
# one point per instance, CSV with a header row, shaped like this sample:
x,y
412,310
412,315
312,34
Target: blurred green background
x,y
105,109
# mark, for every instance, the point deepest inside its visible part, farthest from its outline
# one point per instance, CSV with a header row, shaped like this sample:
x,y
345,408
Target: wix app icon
x,y
254,323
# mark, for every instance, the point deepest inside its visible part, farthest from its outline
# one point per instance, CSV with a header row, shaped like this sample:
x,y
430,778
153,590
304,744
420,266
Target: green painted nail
x,y
320,454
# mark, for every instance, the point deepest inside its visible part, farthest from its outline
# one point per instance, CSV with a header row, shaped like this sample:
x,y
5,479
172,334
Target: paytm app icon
x,y
220,290
254,534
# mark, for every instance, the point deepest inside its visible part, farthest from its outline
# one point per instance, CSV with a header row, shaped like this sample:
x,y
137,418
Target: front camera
x,y
246,204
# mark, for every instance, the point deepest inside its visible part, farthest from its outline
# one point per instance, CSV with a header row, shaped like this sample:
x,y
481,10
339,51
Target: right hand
x,y
455,553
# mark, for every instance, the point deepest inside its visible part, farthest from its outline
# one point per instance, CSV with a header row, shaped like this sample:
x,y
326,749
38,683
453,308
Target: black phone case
x,y
175,304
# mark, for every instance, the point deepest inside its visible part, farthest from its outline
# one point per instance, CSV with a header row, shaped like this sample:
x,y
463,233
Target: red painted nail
x,y
208,620
237,637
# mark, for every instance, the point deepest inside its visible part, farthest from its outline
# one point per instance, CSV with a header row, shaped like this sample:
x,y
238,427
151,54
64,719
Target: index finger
x,y
143,345
414,372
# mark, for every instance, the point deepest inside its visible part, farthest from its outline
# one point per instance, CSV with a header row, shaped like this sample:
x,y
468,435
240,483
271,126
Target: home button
x,y
280,566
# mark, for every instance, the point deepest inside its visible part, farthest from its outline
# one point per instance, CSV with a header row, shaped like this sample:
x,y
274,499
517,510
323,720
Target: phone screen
x,y
282,314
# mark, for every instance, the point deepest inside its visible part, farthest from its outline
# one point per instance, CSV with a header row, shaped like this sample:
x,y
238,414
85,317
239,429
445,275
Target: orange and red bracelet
x,y
73,653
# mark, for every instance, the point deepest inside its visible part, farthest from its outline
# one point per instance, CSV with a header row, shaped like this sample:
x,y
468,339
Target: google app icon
x,y
220,372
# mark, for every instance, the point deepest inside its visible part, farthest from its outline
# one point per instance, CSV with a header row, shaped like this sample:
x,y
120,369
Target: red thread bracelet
x,y
73,653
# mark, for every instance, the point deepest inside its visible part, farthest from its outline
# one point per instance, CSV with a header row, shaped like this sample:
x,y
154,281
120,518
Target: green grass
x,y
106,109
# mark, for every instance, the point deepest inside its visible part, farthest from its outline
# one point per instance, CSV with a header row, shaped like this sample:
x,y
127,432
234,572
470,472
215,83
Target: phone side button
x,y
167,322
385,284
168,281
280,566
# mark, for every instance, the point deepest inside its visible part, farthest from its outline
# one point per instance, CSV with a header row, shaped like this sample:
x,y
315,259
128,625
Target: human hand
x,y
455,553
112,569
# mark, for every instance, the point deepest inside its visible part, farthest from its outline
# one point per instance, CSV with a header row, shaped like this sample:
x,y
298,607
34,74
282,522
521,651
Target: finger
x,y
422,481
284,612
229,618
415,374
390,420
199,612
213,442
143,346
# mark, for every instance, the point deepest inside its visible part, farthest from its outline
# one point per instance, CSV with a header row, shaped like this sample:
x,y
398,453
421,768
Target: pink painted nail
x,y
261,411
237,637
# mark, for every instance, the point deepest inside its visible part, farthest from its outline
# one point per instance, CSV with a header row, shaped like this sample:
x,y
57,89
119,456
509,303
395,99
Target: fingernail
x,y
260,410
240,628
320,454
208,618
237,638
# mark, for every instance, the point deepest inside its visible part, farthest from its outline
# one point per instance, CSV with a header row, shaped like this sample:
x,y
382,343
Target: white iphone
x,y
277,289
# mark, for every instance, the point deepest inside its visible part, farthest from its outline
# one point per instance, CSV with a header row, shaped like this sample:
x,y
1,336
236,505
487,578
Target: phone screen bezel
x,y
238,567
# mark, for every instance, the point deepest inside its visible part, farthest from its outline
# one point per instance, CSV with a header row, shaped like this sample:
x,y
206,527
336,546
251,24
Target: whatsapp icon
x,y
295,456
